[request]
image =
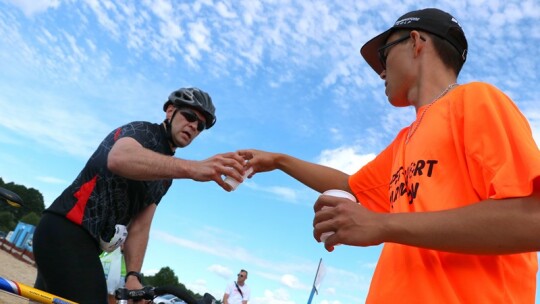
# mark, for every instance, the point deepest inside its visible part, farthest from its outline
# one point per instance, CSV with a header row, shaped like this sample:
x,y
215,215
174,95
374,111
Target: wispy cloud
x,y
32,7
345,159
52,180
221,271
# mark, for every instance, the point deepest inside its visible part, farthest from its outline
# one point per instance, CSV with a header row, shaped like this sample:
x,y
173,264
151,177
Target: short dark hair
x,y
243,270
448,54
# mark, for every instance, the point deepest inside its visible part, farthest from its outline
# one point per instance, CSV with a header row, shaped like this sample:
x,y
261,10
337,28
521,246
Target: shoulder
x,y
138,124
480,90
477,97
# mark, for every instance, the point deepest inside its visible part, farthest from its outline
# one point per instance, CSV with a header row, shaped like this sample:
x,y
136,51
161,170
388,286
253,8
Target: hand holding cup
x,y
336,193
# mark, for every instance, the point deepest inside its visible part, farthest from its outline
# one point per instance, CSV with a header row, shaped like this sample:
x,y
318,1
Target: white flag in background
x,y
321,272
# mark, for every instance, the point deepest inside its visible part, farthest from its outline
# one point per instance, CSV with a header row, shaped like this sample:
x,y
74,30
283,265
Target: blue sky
x,y
285,76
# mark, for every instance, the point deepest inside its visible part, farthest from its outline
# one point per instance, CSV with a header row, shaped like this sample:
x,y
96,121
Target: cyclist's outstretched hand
x,y
216,167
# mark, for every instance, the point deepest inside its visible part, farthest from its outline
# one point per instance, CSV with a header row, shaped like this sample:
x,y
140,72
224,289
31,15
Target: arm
x,y
501,226
130,159
136,242
317,177
225,298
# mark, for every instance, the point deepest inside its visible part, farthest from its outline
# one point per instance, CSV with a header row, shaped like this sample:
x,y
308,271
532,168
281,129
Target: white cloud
x,y
278,296
33,7
224,10
198,286
292,281
345,159
283,193
221,271
52,180
104,19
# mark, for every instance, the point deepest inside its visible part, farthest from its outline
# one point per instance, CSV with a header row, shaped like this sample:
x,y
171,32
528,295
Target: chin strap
x,y
168,129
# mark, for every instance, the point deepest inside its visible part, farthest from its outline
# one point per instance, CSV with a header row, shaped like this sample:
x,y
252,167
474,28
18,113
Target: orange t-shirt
x,y
472,144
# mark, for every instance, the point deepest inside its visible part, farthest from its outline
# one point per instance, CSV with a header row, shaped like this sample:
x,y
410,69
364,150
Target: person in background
x,y
114,267
113,199
454,198
237,292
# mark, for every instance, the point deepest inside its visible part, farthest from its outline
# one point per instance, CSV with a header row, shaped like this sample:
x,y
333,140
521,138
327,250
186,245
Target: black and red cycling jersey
x,y
99,199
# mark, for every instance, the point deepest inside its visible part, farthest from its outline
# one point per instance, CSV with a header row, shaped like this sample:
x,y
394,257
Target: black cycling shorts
x,y
68,263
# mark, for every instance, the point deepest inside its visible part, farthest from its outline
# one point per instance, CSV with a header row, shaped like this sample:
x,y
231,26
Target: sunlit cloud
x,y
221,271
52,180
345,159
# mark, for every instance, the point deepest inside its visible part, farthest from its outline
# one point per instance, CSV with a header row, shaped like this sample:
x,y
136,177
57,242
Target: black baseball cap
x,y
431,20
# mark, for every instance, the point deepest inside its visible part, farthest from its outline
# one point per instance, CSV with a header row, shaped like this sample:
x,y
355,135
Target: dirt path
x,y
16,270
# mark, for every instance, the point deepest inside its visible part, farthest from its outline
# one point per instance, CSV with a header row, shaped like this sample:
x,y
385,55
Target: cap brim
x,y
370,48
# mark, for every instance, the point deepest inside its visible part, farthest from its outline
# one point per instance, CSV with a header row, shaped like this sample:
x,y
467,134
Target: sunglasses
x,y
383,50
192,117
240,275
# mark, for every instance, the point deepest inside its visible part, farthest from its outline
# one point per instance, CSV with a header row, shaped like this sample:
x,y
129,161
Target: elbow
x,y
114,163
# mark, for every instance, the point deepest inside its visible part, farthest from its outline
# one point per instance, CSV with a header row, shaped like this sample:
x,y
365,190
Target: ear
x,y
419,42
170,111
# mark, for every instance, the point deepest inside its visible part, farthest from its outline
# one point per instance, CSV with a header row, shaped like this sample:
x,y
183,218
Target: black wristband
x,y
136,274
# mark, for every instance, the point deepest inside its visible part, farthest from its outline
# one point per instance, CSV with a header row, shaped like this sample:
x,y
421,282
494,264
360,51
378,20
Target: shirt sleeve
x,y
503,158
370,183
228,289
142,132
247,294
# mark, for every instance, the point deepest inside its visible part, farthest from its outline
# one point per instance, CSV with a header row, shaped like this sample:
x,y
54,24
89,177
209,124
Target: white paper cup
x,y
340,193
336,193
234,183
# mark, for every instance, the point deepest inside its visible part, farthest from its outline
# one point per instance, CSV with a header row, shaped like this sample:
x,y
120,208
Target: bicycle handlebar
x,y
149,293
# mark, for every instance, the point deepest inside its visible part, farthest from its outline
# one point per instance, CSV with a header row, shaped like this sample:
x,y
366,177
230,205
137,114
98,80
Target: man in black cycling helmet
x,y
184,101
113,199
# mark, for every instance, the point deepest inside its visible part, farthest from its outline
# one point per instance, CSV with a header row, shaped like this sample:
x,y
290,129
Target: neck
x,y
169,136
433,93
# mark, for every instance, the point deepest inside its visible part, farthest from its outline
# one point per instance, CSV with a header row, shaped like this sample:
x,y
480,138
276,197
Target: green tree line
x,y
166,277
30,212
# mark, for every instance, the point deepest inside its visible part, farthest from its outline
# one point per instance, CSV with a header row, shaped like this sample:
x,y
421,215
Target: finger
x,y
233,172
328,243
238,163
328,247
324,201
223,184
246,154
251,169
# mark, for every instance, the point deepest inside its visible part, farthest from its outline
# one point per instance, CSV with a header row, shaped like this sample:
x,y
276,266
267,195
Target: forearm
x,y
127,158
317,177
135,249
489,227
137,240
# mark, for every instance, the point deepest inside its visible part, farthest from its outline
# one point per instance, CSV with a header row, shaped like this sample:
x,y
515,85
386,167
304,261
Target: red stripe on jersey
x,y
76,213
117,134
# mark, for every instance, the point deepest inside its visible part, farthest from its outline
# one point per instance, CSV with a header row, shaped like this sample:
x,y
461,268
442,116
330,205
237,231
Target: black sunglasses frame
x,y
382,50
383,53
192,117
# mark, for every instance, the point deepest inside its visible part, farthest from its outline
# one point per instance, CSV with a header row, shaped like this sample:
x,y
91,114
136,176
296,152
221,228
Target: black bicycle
x,y
122,295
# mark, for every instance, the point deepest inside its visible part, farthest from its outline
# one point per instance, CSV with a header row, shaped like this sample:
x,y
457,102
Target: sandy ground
x,y
16,270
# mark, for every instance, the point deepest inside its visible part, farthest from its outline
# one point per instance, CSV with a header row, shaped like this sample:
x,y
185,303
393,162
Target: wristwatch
x,y
136,274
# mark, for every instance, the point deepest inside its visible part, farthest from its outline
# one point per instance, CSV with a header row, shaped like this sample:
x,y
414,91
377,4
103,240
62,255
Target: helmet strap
x,y
168,129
